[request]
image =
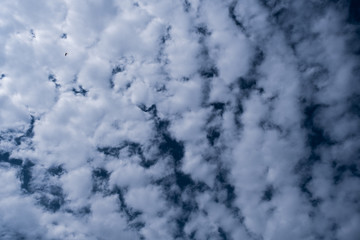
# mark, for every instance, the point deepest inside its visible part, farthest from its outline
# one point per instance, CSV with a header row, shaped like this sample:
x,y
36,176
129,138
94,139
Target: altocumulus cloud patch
x,y
179,120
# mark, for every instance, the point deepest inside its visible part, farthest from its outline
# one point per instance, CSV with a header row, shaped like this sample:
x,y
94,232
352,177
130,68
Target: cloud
x,y
181,120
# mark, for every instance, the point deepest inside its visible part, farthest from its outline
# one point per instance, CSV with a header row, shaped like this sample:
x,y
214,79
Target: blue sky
x,y
179,119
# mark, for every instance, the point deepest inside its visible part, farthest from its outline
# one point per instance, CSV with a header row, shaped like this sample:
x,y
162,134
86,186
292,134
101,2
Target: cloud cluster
x,y
179,120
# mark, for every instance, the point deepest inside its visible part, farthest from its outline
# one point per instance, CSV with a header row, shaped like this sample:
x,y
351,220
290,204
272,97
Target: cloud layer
x,y
179,120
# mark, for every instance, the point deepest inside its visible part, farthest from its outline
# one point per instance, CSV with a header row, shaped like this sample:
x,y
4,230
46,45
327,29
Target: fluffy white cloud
x,y
178,120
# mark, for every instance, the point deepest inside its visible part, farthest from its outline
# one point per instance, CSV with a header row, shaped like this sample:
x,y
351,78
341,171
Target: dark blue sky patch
x,y
112,83
53,79
183,180
137,225
354,105
161,88
192,235
10,234
282,17
32,33
304,182
84,211
111,151
212,135
101,173
256,61
238,111
181,221
223,186
185,79
56,170
354,169
247,86
161,56
130,149
203,30
209,72
316,202
167,144
268,193
316,135
339,173
80,91
28,134
52,199
15,162
79,211
167,183
303,168
174,148
218,107
167,36
30,131
5,157
135,149
100,179
26,176
234,19
267,125
132,215
151,110
343,171
222,234
186,5
161,125
185,186
117,69
280,14
354,12
147,163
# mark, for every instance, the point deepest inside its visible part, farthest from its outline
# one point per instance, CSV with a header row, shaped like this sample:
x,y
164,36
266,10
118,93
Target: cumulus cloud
x,y
179,120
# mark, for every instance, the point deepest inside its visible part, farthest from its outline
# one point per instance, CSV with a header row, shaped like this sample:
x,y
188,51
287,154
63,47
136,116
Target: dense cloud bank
x,y
186,119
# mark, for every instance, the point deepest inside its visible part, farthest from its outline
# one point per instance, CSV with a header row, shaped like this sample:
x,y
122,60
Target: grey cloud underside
x,y
180,120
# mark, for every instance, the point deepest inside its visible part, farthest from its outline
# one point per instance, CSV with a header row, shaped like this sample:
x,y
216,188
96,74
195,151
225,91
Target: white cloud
x,y
197,119
77,185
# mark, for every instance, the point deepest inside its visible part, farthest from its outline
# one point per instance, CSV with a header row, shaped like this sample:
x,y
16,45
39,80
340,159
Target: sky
x,y
184,119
